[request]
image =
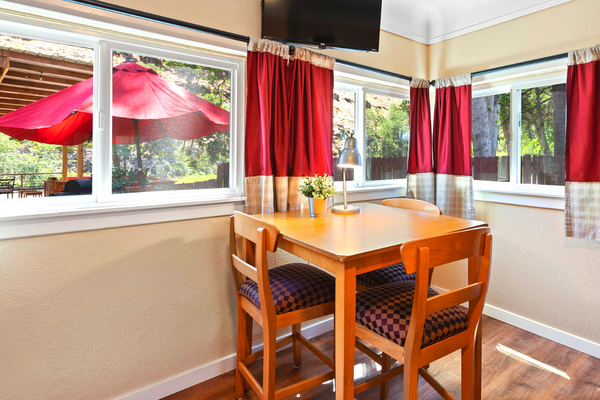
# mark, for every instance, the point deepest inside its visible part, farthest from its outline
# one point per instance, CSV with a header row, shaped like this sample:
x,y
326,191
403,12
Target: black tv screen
x,y
348,24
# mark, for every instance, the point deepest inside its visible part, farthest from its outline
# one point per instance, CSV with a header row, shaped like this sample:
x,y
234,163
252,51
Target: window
x,y
136,149
180,139
519,132
491,137
378,117
543,129
48,143
344,107
387,134
164,136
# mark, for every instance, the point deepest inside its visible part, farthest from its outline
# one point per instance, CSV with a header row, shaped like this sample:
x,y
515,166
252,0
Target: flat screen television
x,y
345,24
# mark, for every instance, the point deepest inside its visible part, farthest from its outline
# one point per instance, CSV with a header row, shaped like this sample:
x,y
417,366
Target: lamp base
x,y
342,210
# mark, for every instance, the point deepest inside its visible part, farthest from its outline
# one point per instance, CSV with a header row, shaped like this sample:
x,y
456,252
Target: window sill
x,y
552,197
94,216
368,193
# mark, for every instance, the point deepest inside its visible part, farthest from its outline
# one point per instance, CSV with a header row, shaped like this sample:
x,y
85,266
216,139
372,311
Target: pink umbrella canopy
x,y
160,108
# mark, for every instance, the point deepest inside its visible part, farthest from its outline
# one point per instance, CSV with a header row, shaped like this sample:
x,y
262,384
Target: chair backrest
x,y
412,204
7,183
249,241
421,255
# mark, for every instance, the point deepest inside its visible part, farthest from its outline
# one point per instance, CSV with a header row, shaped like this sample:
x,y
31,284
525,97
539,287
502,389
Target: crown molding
x,y
427,40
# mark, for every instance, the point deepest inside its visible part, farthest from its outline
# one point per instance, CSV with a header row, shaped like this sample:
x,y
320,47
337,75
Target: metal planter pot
x,y
317,207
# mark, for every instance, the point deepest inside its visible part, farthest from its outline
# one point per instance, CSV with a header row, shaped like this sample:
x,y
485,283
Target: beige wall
x,y
537,272
569,26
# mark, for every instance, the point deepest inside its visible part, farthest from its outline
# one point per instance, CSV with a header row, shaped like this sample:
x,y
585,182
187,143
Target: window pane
x,y
543,127
170,125
387,137
491,138
344,103
32,134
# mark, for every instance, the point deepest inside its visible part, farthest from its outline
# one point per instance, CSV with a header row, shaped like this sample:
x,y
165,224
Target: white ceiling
x,y
431,21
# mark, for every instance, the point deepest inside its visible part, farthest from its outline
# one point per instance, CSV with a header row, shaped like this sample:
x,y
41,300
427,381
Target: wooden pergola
x,y
26,77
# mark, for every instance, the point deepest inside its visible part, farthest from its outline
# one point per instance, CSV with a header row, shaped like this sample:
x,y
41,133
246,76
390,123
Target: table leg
x,y
345,314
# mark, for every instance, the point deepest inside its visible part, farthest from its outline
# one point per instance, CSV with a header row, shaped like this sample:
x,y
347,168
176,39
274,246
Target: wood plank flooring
x,y
505,375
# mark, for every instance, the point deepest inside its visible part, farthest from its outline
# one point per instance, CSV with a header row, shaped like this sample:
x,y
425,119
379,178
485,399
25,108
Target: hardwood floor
x,y
564,373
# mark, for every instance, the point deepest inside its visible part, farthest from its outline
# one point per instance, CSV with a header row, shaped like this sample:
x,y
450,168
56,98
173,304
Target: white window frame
x,y
361,83
102,209
513,81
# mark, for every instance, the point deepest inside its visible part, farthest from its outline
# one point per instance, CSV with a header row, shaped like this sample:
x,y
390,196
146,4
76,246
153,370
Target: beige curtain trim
x,y
317,59
419,83
265,45
454,195
582,210
584,56
421,186
455,81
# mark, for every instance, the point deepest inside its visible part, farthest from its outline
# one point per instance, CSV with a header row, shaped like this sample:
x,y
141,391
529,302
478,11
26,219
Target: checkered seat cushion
x,y
294,287
386,311
383,276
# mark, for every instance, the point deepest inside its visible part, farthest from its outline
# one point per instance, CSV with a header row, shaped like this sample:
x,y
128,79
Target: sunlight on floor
x,y
360,371
516,354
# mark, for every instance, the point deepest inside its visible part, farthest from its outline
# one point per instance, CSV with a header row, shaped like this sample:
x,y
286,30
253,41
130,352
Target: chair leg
x,y
384,390
270,350
296,345
411,380
244,348
467,372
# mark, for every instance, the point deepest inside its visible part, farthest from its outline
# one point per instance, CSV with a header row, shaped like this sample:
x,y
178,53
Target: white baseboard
x,y
213,369
545,331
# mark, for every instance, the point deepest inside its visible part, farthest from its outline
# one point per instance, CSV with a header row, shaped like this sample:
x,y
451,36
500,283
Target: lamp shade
x,y
349,157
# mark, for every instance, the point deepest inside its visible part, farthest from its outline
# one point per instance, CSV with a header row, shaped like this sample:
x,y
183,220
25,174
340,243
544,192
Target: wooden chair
x,y
283,296
422,325
412,204
7,186
396,272
391,274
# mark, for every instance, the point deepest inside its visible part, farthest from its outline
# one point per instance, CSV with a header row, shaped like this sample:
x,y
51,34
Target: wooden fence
x,y
540,170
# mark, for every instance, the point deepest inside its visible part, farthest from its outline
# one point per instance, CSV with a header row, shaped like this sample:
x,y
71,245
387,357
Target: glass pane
x,y
170,125
37,141
343,127
491,138
387,137
543,128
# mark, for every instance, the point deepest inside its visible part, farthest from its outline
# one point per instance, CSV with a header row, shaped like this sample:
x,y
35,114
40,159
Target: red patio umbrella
x,y
145,107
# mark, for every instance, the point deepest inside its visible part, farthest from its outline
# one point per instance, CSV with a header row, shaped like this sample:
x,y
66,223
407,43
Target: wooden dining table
x,y
347,245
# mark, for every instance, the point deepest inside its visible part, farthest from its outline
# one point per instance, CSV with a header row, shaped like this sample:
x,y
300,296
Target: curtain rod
x,y
517,65
131,12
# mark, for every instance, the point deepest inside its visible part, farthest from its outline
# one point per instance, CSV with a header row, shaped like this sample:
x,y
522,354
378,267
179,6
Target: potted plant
x,y
318,189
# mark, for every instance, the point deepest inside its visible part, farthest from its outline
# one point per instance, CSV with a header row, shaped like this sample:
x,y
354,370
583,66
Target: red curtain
x,y
289,123
452,130
419,153
582,186
310,112
420,180
452,147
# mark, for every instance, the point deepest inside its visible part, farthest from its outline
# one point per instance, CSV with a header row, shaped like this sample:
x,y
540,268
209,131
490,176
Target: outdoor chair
x,y
413,323
7,186
275,298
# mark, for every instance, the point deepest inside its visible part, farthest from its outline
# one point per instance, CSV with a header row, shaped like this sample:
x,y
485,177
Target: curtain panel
x,y
582,186
289,123
420,178
452,147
